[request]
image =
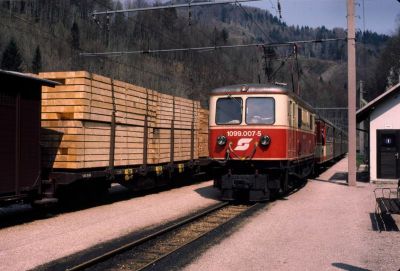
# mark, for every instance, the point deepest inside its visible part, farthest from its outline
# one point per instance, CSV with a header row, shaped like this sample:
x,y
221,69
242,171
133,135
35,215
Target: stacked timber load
x,y
92,121
175,136
203,133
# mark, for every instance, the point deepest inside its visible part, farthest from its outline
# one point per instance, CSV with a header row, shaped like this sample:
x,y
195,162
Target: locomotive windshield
x,y
229,110
260,110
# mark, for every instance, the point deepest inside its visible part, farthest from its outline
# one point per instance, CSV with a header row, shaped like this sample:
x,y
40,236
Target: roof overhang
x,y
25,76
364,112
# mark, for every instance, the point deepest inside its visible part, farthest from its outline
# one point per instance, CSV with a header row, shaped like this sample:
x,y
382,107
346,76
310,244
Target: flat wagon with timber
x,y
96,130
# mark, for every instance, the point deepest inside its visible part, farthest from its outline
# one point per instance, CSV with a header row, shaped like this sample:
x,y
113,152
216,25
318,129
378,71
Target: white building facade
x,y
382,117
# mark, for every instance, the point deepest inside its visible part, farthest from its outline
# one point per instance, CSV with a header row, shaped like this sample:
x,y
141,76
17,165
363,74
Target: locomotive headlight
x,y
221,140
265,140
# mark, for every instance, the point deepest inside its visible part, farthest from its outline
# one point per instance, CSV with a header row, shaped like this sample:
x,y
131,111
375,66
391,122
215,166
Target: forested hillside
x,y
44,35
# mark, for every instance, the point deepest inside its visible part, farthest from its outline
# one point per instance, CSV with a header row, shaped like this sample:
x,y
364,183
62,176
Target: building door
x,y
388,148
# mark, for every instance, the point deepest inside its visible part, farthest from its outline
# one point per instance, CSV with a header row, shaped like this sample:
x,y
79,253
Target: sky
x,y
382,16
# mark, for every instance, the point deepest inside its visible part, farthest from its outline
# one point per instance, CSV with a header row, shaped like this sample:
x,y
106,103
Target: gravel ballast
x,y
32,244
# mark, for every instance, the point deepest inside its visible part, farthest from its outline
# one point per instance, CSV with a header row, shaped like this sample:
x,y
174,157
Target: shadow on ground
x,y
349,267
384,222
342,176
24,213
333,181
209,192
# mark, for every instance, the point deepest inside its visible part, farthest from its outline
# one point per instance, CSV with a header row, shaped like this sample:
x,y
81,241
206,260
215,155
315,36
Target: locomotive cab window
x,y
260,110
229,110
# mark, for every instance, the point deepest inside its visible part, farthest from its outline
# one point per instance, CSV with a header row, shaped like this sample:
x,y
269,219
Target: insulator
x,y
279,10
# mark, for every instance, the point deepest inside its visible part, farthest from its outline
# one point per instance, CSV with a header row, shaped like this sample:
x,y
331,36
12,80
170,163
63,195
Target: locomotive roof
x,y
253,88
267,88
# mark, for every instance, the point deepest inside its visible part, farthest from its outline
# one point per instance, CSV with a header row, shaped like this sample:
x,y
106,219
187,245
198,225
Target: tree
x,y
75,36
37,61
12,59
119,24
387,71
224,14
225,35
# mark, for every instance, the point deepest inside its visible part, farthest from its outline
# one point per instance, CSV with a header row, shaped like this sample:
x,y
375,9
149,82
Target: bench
x,y
387,201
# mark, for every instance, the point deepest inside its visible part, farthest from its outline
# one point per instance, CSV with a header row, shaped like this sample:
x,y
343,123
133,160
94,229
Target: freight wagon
x,y
20,135
96,130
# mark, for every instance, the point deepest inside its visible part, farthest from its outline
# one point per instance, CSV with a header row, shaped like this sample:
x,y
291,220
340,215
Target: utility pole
x,y
351,75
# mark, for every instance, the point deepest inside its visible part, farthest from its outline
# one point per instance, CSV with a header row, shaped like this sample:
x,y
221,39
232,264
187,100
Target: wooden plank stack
x,y
77,123
203,133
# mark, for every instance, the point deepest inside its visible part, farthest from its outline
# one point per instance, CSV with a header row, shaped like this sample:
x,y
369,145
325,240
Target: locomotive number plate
x,y
243,133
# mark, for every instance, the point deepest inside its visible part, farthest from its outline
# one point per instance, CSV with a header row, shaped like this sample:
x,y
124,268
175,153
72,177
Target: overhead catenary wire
x,y
160,33
209,48
191,50
258,26
273,6
137,22
141,69
166,36
266,36
189,4
281,64
51,36
213,41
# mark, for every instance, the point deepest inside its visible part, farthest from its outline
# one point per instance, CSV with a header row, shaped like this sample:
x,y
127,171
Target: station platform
x,y
326,225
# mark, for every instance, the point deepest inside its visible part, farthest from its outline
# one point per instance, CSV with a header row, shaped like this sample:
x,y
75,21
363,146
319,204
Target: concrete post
x,y
351,74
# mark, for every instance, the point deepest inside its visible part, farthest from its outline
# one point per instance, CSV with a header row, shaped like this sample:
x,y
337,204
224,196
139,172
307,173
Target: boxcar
x,y
20,107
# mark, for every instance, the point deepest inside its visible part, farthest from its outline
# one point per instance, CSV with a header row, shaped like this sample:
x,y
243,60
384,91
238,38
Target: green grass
x,y
359,159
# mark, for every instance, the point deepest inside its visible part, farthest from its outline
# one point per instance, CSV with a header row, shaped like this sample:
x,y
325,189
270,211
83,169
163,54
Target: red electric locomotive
x,y
261,134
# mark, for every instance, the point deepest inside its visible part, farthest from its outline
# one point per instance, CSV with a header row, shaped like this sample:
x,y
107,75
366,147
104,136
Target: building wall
x,y
385,116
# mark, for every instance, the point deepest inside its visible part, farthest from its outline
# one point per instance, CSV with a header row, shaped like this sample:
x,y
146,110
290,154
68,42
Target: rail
x,y
147,251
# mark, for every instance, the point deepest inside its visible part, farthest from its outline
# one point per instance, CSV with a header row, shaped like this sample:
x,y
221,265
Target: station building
x,y
381,122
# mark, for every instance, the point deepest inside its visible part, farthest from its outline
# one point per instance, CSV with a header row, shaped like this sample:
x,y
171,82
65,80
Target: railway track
x,y
146,252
